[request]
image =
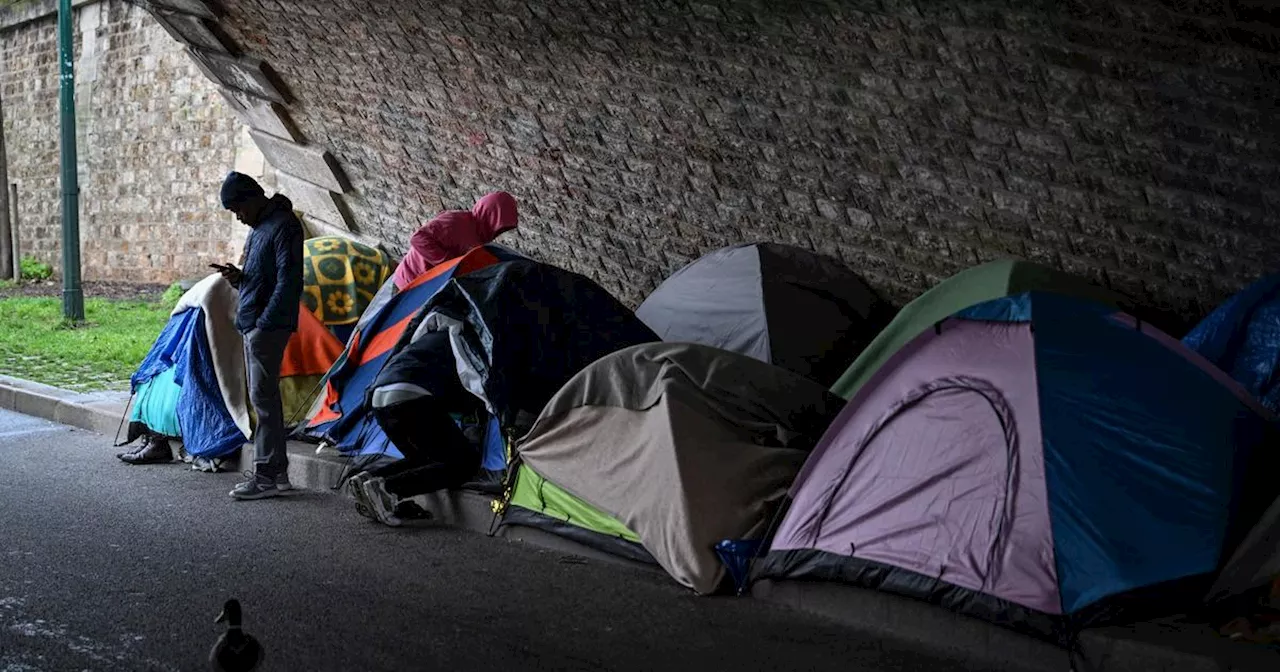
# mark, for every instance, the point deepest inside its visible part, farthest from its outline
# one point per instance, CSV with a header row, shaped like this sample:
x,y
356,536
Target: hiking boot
x,y
257,487
380,502
153,451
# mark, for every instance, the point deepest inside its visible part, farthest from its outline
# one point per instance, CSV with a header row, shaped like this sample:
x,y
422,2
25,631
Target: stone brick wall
x,y
155,140
1134,142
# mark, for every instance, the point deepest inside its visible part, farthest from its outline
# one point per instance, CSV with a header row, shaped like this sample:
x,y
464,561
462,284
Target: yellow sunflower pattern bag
x,y
340,278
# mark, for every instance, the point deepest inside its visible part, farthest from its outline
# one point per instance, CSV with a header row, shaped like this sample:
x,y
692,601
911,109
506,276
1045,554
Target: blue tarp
x,y
1242,337
181,354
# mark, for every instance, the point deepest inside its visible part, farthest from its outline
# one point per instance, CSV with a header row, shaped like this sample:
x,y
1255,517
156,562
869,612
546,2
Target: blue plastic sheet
x,y
1242,337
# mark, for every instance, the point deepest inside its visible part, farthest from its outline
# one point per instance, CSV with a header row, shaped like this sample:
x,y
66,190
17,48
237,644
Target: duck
x,y
235,650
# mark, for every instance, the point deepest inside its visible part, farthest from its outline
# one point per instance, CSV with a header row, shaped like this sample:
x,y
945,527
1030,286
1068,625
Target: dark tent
x,y
780,304
519,330
340,416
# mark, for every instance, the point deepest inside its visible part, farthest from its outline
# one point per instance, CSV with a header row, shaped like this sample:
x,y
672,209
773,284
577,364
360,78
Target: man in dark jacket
x,y
270,290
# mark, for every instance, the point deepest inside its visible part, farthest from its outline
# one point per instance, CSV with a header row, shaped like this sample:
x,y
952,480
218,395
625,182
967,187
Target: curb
x,y
1151,647
96,412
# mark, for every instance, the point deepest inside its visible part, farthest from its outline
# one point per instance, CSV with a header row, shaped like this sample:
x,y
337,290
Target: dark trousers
x,y
263,353
437,456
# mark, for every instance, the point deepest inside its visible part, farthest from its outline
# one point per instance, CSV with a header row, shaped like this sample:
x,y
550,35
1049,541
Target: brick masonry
x,y
154,139
1133,142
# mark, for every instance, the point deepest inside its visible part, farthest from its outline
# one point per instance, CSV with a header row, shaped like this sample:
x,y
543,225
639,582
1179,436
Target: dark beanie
x,y
238,188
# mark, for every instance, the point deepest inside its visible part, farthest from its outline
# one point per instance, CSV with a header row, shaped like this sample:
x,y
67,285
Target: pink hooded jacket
x,y
453,233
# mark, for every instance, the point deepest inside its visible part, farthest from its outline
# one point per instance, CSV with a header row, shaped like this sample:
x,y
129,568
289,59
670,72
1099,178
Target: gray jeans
x,y
263,352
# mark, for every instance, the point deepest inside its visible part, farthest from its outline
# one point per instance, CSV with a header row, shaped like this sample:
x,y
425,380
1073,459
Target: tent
x,y
519,330
1039,460
339,416
778,303
992,280
1242,337
1255,563
191,386
538,503
670,446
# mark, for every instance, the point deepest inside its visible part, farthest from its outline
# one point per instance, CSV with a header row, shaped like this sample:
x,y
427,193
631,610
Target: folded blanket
x,y
340,278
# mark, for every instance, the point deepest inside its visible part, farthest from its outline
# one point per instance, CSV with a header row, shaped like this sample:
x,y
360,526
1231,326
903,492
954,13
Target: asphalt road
x,y
104,566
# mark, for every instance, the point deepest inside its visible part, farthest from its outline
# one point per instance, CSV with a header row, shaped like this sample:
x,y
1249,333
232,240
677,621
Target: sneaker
x,y
409,510
381,502
206,465
356,492
257,487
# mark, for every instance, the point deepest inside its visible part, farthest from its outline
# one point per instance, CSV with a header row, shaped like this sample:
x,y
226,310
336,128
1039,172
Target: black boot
x,y
156,450
146,443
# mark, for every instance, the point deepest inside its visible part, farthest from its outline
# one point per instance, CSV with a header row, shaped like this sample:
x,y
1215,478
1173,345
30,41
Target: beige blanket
x,y
217,298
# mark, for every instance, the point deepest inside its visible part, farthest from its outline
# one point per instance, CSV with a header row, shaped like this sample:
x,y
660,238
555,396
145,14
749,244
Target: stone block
x,y
309,163
195,31
261,115
319,227
316,202
204,8
247,74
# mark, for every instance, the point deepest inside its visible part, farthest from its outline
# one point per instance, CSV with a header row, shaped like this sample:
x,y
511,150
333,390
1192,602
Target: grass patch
x,y
36,343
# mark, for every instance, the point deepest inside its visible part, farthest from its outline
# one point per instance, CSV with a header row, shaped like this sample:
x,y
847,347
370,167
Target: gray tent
x,y
683,445
780,304
1256,561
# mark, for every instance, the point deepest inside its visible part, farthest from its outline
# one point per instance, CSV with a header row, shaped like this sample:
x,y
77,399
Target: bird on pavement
x,y
235,651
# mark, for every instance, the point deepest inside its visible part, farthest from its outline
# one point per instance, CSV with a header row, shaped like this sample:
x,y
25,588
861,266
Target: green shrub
x,y
34,269
172,294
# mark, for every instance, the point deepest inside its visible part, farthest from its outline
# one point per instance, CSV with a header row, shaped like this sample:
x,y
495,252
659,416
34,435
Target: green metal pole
x,y
72,296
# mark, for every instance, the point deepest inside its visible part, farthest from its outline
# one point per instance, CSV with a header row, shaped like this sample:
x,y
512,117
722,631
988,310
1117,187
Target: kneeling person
x,y
413,402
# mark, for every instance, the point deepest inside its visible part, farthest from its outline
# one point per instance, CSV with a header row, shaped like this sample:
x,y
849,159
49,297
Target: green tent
x,y
989,281
537,502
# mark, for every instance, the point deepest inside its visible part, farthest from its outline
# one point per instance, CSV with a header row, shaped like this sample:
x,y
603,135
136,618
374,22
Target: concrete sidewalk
x,y
1168,645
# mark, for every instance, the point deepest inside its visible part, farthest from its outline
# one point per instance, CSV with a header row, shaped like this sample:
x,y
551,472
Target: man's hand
x,y
230,273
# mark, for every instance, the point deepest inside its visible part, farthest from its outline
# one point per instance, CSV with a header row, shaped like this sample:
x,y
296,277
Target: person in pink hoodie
x,y
453,233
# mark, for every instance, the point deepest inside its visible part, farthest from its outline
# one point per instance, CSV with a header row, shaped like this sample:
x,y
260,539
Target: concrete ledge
x,y
1169,645
926,626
